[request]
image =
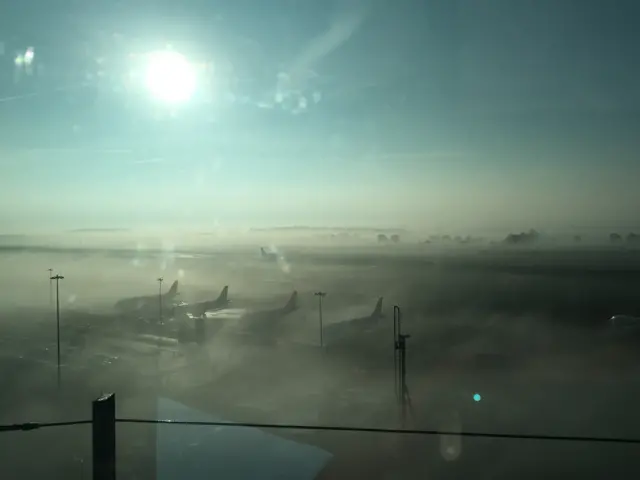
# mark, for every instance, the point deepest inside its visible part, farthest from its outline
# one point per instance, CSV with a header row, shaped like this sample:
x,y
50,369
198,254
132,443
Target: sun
x,y
170,77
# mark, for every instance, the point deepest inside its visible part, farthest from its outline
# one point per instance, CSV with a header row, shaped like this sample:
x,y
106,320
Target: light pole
x,y
158,349
50,270
320,296
160,279
57,278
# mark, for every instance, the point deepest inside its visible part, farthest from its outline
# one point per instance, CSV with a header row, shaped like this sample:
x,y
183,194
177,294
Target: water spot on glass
x,y
29,55
451,445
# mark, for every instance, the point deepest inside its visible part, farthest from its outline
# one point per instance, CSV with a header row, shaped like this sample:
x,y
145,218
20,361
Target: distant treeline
x,y
532,236
327,229
99,230
630,238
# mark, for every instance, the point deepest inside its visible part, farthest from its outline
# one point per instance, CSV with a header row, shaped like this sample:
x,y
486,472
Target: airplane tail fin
x,y
222,298
377,312
173,290
263,252
292,304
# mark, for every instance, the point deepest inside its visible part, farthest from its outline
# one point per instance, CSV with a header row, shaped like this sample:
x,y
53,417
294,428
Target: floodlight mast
x,y
50,270
57,278
160,279
400,361
320,296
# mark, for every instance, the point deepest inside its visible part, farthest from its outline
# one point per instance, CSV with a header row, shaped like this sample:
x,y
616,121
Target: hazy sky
x,y
438,113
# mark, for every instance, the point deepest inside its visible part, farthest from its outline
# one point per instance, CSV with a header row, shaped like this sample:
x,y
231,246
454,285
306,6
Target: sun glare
x,y
170,77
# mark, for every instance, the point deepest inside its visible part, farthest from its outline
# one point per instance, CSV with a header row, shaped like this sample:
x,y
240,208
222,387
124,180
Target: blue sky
x,y
444,114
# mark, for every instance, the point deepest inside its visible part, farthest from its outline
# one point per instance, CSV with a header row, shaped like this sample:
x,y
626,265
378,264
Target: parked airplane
x,y
347,330
269,256
259,324
200,309
147,302
623,327
625,322
354,332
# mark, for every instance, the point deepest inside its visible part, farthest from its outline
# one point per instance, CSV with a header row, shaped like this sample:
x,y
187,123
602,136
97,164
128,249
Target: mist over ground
x,y
524,327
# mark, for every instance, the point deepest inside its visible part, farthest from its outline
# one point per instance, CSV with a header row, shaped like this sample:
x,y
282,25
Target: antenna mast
x,y
57,278
320,296
160,279
400,364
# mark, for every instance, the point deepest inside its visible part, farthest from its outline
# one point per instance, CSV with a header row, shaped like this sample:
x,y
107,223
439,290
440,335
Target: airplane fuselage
x,y
148,303
350,329
624,325
200,309
143,307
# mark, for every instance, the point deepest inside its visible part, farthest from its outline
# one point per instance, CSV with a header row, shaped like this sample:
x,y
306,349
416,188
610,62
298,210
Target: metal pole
x,y
50,286
160,298
396,347
320,296
403,377
400,360
58,320
396,325
320,314
104,437
158,348
57,278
